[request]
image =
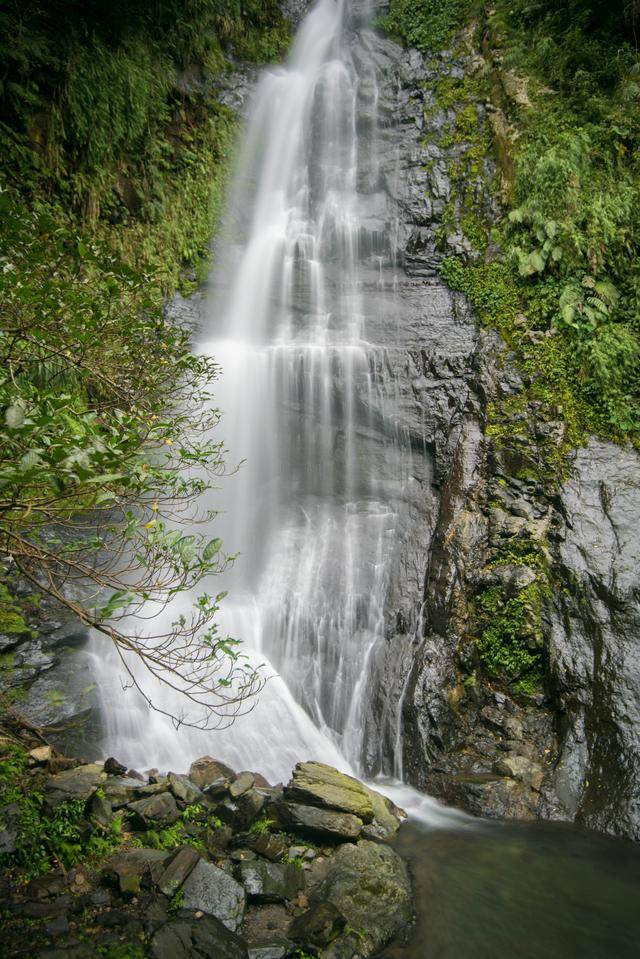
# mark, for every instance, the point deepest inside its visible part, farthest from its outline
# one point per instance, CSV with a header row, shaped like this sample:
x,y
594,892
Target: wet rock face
x,y
594,641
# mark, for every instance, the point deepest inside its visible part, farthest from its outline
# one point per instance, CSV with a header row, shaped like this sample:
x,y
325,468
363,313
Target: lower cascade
x,y
298,311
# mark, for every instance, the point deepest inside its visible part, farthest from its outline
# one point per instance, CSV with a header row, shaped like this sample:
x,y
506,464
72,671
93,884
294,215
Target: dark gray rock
x,y
270,881
155,810
129,869
113,768
184,790
368,884
318,926
594,643
204,938
77,783
215,893
178,868
321,823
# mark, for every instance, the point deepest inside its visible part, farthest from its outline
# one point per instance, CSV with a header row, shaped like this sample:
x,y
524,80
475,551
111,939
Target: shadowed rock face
x,y
594,641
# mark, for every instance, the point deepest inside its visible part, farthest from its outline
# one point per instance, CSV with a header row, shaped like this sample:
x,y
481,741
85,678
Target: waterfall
x,y
305,273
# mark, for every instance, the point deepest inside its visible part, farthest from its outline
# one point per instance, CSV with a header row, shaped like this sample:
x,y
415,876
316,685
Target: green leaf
x,y
211,549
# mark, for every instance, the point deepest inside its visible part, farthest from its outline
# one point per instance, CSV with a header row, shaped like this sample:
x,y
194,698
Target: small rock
x,y
241,785
242,855
273,949
319,926
178,868
113,767
270,846
41,754
206,770
216,893
242,811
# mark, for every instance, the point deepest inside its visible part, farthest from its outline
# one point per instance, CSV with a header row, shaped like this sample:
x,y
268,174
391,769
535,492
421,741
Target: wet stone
x,y
155,810
99,810
322,823
204,938
129,868
318,926
271,882
113,768
320,785
241,785
179,867
215,893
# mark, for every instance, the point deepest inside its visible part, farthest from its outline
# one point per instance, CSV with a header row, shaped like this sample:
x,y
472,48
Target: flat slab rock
x,y
321,823
321,785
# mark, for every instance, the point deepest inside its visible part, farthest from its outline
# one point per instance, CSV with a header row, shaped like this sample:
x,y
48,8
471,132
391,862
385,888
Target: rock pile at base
x,y
221,864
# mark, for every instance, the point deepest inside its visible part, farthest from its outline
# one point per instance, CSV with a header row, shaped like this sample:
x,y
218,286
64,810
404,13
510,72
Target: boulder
x,y
203,938
368,884
242,811
321,823
99,810
316,784
113,767
215,893
270,881
160,810
78,783
206,770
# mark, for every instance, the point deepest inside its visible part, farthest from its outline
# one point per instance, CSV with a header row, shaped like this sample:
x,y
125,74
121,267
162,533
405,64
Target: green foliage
x,y
48,837
111,181
262,827
510,643
427,25
12,619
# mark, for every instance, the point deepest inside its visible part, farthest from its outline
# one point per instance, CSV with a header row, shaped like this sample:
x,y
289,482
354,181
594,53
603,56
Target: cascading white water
x,y
305,397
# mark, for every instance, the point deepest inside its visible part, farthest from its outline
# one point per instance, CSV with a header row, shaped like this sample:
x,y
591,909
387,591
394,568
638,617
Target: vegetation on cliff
x,y
562,84
114,156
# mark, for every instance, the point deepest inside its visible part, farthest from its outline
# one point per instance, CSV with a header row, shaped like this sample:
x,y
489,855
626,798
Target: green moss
x,y
425,24
12,621
510,640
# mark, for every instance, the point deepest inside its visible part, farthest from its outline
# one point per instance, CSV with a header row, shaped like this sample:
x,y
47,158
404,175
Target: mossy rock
x,y
320,785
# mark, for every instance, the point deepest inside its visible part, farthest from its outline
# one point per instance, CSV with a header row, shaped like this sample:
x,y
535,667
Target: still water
x,y
521,891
